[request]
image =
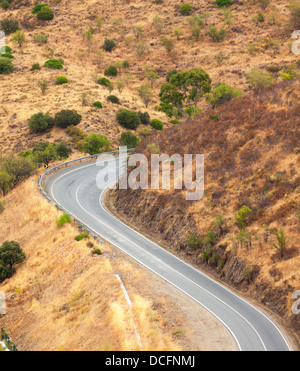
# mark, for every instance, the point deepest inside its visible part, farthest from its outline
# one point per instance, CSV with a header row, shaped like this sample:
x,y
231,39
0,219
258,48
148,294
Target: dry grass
x,y
66,299
21,96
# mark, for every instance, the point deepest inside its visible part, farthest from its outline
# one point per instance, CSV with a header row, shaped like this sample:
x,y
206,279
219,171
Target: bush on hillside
x,y
224,3
129,140
103,81
95,143
54,64
113,99
111,71
109,45
128,119
186,9
157,124
40,123
144,117
38,8
9,26
45,14
97,104
6,66
11,254
259,80
61,80
66,118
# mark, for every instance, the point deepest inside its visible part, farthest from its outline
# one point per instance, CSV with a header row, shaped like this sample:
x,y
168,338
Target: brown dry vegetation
x,y
68,299
253,161
21,97
251,158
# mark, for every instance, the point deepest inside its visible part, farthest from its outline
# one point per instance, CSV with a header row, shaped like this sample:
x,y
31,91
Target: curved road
x,y
76,191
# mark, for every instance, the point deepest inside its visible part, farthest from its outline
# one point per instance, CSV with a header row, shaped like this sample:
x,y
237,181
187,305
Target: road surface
x,y
75,189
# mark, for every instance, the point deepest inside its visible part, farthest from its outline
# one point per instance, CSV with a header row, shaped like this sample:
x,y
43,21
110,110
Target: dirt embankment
x,y
252,159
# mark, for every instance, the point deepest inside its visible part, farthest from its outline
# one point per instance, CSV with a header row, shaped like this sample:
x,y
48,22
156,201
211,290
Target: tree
x,y
11,254
168,44
95,143
128,139
184,90
67,118
151,76
39,123
145,93
19,38
43,85
5,182
9,26
281,242
158,23
128,119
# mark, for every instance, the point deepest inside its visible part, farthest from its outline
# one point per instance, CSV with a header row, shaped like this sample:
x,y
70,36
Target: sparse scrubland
x,y
246,229
216,77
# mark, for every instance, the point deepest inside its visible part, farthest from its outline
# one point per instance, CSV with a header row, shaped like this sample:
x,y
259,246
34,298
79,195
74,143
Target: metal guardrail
x,y
65,164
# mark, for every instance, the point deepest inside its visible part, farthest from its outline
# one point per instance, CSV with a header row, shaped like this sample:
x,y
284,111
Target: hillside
x,y
251,147
251,159
247,45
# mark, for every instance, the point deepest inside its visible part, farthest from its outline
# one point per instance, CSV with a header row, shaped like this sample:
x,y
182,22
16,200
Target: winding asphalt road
x,y
75,189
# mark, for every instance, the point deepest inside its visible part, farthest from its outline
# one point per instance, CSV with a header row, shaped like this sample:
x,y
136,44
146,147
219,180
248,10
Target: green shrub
x,y
97,252
259,80
128,119
217,35
37,8
5,49
54,64
45,14
40,39
113,99
194,242
242,215
103,81
6,66
111,71
97,104
61,80
125,64
39,123
36,67
222,93
4,4
260,18
64,219
144,117
95,143
82,236
186,9
157,124
11,254
9,26
175,122
128,139
66,118
63,150
224,3
109,45
170,74
90,244
214,117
